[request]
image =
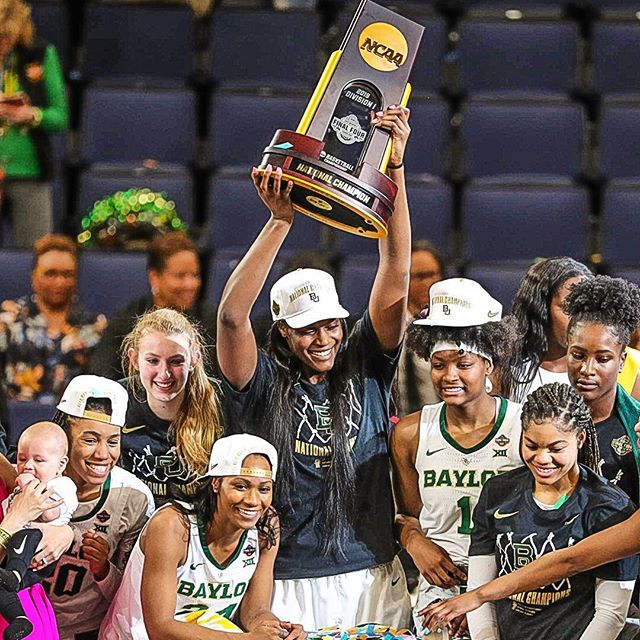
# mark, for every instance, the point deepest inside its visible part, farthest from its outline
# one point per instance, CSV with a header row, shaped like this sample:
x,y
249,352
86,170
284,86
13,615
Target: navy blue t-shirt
x,y
146,449
370,539
510,525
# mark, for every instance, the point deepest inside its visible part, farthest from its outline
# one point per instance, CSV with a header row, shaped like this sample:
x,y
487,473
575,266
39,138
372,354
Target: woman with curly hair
x,y
174,415
443,454
603,313
550,504
207,554
538,308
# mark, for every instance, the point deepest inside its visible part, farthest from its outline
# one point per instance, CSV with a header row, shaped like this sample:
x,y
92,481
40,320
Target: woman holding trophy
x,y
321,398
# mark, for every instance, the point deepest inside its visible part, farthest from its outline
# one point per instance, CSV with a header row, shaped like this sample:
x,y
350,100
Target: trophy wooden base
x,y
360,203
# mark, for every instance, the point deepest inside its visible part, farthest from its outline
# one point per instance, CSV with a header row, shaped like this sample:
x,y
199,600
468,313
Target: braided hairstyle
x,y
612,302
531,308
560,403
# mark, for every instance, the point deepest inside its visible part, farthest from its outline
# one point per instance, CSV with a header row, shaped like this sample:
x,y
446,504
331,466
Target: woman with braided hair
x,y
603,313
549,504
444,453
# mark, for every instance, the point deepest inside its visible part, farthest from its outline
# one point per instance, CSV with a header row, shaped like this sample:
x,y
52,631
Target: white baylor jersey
x,y
451,477
202,584
118,515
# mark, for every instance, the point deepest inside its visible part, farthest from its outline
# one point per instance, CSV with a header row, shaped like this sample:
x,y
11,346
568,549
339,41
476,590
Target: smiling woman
x,y
113,506
173,417
550,504
443,454
212,554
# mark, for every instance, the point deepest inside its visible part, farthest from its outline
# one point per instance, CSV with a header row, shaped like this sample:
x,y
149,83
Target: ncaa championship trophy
x,y
336,159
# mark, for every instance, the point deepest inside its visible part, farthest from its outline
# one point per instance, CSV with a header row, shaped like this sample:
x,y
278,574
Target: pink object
x,y
38,609
35,603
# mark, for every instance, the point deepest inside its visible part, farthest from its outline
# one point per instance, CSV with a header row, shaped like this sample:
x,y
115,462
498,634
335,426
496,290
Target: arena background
x,y
525,118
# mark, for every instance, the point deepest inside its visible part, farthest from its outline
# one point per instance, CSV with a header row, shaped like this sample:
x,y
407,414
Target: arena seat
x,y
15,267
542,139
221,267
620,219
521,222
134,41
500,279
620,139
429,137
122,124
505,57
23,414
628,273
235,216
108,280
51,21
98,182
257,116
265,48
426,75
614,43
357,274
431,209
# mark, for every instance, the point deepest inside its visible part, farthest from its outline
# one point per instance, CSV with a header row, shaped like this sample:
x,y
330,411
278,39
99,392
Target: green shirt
x,y
17,152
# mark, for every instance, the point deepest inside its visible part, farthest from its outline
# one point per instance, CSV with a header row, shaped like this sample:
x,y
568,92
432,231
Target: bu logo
x,y
314,297
446,310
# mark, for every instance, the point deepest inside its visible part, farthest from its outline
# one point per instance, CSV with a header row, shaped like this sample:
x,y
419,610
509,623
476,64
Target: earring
x,y
488,385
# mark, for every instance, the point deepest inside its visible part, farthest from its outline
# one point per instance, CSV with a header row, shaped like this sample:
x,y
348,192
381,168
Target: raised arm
x,y
614,543
237,350
388,301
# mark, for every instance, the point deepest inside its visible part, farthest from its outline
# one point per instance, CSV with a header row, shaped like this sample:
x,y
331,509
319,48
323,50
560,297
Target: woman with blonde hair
x,y
174,413
32,106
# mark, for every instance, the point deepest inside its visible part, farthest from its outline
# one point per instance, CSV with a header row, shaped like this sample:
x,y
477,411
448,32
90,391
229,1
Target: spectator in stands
x,y
173,269
414,386
47,338
32,106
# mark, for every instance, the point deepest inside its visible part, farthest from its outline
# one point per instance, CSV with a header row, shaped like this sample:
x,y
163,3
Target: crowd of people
x,y
498,453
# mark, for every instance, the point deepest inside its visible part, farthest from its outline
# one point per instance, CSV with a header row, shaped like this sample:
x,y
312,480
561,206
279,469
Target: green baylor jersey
x,y
451,477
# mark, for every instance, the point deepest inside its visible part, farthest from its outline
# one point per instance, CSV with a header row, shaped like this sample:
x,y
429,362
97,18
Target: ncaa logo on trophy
x,y
335,158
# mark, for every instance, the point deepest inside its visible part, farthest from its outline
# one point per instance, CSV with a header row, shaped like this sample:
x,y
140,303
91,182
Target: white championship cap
x,y
81,389
228,454
305,296
460,302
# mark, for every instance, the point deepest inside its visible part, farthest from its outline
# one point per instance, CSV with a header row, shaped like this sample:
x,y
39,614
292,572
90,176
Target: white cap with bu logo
x,y
460,302
228,454
305,296
82,389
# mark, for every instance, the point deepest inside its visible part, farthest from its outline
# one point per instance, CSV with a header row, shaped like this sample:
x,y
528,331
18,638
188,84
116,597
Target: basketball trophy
x,y
336,159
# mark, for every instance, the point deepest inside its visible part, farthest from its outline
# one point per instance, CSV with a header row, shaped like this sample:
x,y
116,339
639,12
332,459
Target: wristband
x,y
5,537
395,166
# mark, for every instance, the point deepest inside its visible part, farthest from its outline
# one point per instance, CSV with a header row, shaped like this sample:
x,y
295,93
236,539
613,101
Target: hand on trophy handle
x,y
276,198
396,120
